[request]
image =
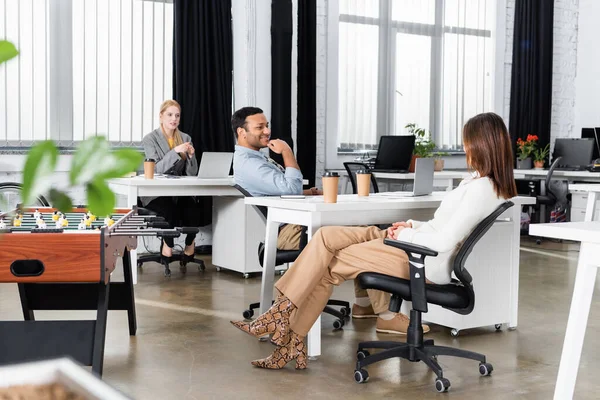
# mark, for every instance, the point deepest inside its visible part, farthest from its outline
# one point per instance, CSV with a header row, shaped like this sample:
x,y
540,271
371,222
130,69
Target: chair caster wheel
x,y
538,241
362,354
338,324
498,326
139,264
454,332
218,269
281,272
183,268
442,385
485,369
361,376
248,314
167,272
345,311
201,267
246,276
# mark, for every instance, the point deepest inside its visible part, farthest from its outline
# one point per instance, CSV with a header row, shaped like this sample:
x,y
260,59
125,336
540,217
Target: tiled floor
x,y
185,347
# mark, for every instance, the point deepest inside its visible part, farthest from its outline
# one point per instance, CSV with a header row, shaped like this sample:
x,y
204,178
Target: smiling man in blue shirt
x,y
259,174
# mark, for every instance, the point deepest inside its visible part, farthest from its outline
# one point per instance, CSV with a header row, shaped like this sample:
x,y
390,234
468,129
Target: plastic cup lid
x,y
149,160
330,173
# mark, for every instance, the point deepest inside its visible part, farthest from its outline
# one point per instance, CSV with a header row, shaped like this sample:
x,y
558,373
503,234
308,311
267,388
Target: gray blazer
x,y
167,160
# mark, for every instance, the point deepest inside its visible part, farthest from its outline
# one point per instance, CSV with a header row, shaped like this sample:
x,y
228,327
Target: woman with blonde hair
x,y
173,153
338,253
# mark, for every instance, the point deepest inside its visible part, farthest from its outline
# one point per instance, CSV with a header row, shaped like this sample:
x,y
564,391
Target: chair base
x,y
342,314
156,257
415,349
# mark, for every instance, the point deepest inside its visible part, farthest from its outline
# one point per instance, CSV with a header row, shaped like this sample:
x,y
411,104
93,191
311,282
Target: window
x,y
428,62
105,73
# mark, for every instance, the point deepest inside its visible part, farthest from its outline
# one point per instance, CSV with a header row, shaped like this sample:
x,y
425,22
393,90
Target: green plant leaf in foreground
x,y
39,166
88,160
60,200
119,162
7,51
101,200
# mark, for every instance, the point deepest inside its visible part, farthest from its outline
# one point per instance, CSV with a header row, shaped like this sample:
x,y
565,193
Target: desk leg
x,y
515,250
314,335
268,272
590,207
576,325
132,201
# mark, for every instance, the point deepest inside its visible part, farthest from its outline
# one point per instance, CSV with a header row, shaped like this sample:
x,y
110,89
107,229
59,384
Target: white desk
x,y
500,255
591,196
588,233
583,176
234,225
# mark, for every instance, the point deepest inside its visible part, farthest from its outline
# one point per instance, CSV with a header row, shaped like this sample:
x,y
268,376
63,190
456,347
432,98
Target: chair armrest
x,y
410,247
416,270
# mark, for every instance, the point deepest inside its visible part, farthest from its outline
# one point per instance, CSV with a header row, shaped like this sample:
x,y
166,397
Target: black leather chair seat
x,y
282,256
545,200
452,295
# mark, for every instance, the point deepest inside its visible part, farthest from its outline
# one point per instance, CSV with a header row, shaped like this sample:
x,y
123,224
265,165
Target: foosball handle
x,y
187,230
158,224
172,234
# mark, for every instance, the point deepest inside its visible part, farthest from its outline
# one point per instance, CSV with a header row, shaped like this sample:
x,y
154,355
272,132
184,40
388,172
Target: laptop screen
x,y
394,152
574,152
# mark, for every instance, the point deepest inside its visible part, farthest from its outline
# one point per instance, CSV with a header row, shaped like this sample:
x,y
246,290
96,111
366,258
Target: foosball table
x,y
64,262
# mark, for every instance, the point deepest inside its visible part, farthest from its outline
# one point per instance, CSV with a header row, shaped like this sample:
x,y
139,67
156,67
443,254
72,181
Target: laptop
x,y
593,133
394,154
215,165
576,153
423,183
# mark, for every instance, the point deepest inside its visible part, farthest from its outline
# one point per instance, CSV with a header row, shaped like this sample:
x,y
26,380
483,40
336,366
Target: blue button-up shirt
x,y
253,171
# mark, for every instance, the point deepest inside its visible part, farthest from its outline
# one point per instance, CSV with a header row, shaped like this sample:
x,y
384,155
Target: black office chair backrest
x,y
461,257
261,209
549,175
352,168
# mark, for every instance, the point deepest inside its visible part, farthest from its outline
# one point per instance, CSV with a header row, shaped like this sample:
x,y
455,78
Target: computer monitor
x,y
574,152
592,133
394,153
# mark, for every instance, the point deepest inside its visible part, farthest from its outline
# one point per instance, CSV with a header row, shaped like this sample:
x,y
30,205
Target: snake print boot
x,y
293,349
275,321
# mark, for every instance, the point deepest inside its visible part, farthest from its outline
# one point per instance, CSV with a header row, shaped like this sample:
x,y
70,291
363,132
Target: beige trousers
x,y
333,255
289,237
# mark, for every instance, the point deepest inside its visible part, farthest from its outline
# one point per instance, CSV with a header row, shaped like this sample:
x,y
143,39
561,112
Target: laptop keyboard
x,y
395,171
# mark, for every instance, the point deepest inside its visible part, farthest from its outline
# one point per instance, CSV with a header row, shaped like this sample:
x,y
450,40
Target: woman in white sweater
x,y
336,254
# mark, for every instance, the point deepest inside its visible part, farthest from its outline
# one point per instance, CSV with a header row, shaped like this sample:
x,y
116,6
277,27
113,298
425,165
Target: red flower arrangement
x,y
526,147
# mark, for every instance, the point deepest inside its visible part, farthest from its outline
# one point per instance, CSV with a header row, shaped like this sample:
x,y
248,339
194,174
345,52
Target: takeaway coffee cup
x,y
149,168
330,187
363,182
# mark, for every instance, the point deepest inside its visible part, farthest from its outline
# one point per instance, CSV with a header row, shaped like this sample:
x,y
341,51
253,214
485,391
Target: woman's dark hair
x,y
238,119
489,152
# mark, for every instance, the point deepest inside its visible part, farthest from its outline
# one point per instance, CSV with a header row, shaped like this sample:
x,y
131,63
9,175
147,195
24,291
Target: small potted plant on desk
x,y
540,155
423,144
524,150
438,161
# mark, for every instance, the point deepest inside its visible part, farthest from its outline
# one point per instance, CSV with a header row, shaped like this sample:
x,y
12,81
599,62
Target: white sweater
x,y
459,213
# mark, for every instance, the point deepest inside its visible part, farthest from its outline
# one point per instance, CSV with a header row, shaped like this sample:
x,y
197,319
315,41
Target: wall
x,y
587,81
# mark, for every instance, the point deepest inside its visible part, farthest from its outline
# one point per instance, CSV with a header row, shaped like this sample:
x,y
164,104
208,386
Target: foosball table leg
x,y
27,312
100,329
130,298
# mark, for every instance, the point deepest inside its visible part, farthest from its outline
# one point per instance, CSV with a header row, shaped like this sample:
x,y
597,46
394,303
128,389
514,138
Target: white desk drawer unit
x,y
578,204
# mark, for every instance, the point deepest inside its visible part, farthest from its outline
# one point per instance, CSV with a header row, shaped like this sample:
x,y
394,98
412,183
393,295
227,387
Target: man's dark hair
x,y
238,119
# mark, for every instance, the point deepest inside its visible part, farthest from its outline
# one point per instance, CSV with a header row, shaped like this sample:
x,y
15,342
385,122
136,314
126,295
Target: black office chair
x,y
288,256
352,168
457,296
550,198
156,257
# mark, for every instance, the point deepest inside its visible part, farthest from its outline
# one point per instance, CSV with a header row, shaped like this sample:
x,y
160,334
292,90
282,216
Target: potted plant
x,y
524,150
539,156
438,161
423,144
